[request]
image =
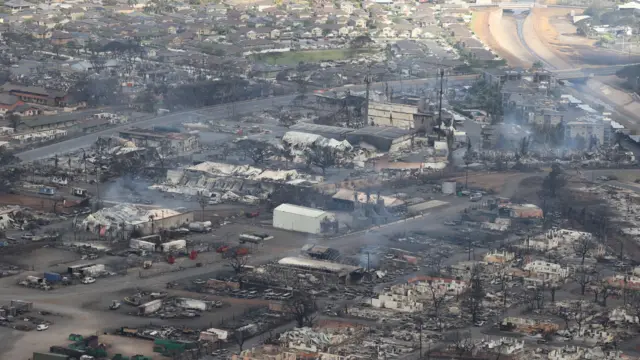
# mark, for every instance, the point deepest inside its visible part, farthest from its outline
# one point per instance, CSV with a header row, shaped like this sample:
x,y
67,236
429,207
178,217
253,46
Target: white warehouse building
x,y
300,218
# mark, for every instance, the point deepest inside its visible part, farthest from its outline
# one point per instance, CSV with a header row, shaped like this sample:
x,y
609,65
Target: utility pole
x,y
440,101
368,261
367,81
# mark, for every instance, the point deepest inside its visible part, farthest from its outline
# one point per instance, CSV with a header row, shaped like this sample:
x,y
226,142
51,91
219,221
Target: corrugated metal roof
x,y
301,210
317,264
414,209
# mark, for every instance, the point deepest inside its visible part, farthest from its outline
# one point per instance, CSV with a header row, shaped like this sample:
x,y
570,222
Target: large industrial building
x,y
397,115
301,219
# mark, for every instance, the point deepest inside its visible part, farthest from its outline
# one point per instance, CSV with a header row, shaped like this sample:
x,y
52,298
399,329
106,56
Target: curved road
x,y
220,111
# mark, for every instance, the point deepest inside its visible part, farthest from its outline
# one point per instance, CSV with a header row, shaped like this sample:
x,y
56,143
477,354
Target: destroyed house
x,y
320,252
36,94
330,132
177,142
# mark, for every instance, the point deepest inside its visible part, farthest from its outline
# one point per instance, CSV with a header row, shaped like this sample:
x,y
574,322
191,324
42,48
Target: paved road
x,y
220,111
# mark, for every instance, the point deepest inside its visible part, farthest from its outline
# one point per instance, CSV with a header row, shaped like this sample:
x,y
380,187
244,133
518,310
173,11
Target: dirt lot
x,y
35,202
128,346
500,36
505,183
41,259
549,33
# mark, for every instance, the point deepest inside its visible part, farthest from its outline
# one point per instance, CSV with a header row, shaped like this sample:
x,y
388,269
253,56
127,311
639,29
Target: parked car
x,y
42,327
88,280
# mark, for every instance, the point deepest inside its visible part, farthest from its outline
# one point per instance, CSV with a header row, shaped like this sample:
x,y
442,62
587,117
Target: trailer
x,y
254,238
149,307
52,277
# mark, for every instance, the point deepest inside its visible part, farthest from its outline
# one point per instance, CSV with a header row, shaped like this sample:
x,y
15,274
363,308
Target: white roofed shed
x,y
300,218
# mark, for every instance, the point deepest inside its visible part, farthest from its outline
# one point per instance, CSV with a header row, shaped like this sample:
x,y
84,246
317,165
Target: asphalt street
x,y
218,111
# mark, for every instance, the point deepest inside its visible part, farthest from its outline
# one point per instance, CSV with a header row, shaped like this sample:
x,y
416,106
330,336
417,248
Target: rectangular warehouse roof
x,y
301,210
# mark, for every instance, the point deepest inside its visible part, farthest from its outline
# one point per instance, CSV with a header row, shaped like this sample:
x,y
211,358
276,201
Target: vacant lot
x,y
499,32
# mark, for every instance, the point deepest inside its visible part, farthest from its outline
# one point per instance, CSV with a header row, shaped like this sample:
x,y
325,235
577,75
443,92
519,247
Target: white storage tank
x,y
300,218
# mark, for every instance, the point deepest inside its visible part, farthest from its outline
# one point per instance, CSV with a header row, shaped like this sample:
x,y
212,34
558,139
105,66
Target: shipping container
x,y
150,307
49,356
52,277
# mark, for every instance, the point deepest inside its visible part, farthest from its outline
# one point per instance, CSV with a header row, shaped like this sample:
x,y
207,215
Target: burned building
x,y
36,94
174,142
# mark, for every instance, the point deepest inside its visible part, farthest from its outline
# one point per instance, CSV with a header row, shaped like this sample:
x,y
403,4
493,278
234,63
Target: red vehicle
x,y
239,251
222,249
252,214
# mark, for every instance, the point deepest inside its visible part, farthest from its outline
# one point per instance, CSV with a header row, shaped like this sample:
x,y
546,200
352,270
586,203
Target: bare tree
x,y
302,307
633,305
554,182
583,278
202,201
438,296
603,289
577,313
14,120
287,153
580,313
461,343
237,259
503,276
474,300
583,247
98,63
258,151
553,287
239,338
321,156
163,152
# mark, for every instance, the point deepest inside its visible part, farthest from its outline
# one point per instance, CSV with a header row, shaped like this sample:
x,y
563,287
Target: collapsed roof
x,y
300,140
126,213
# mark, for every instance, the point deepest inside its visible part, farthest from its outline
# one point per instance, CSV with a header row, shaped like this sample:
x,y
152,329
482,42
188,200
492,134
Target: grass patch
x,y
310,56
